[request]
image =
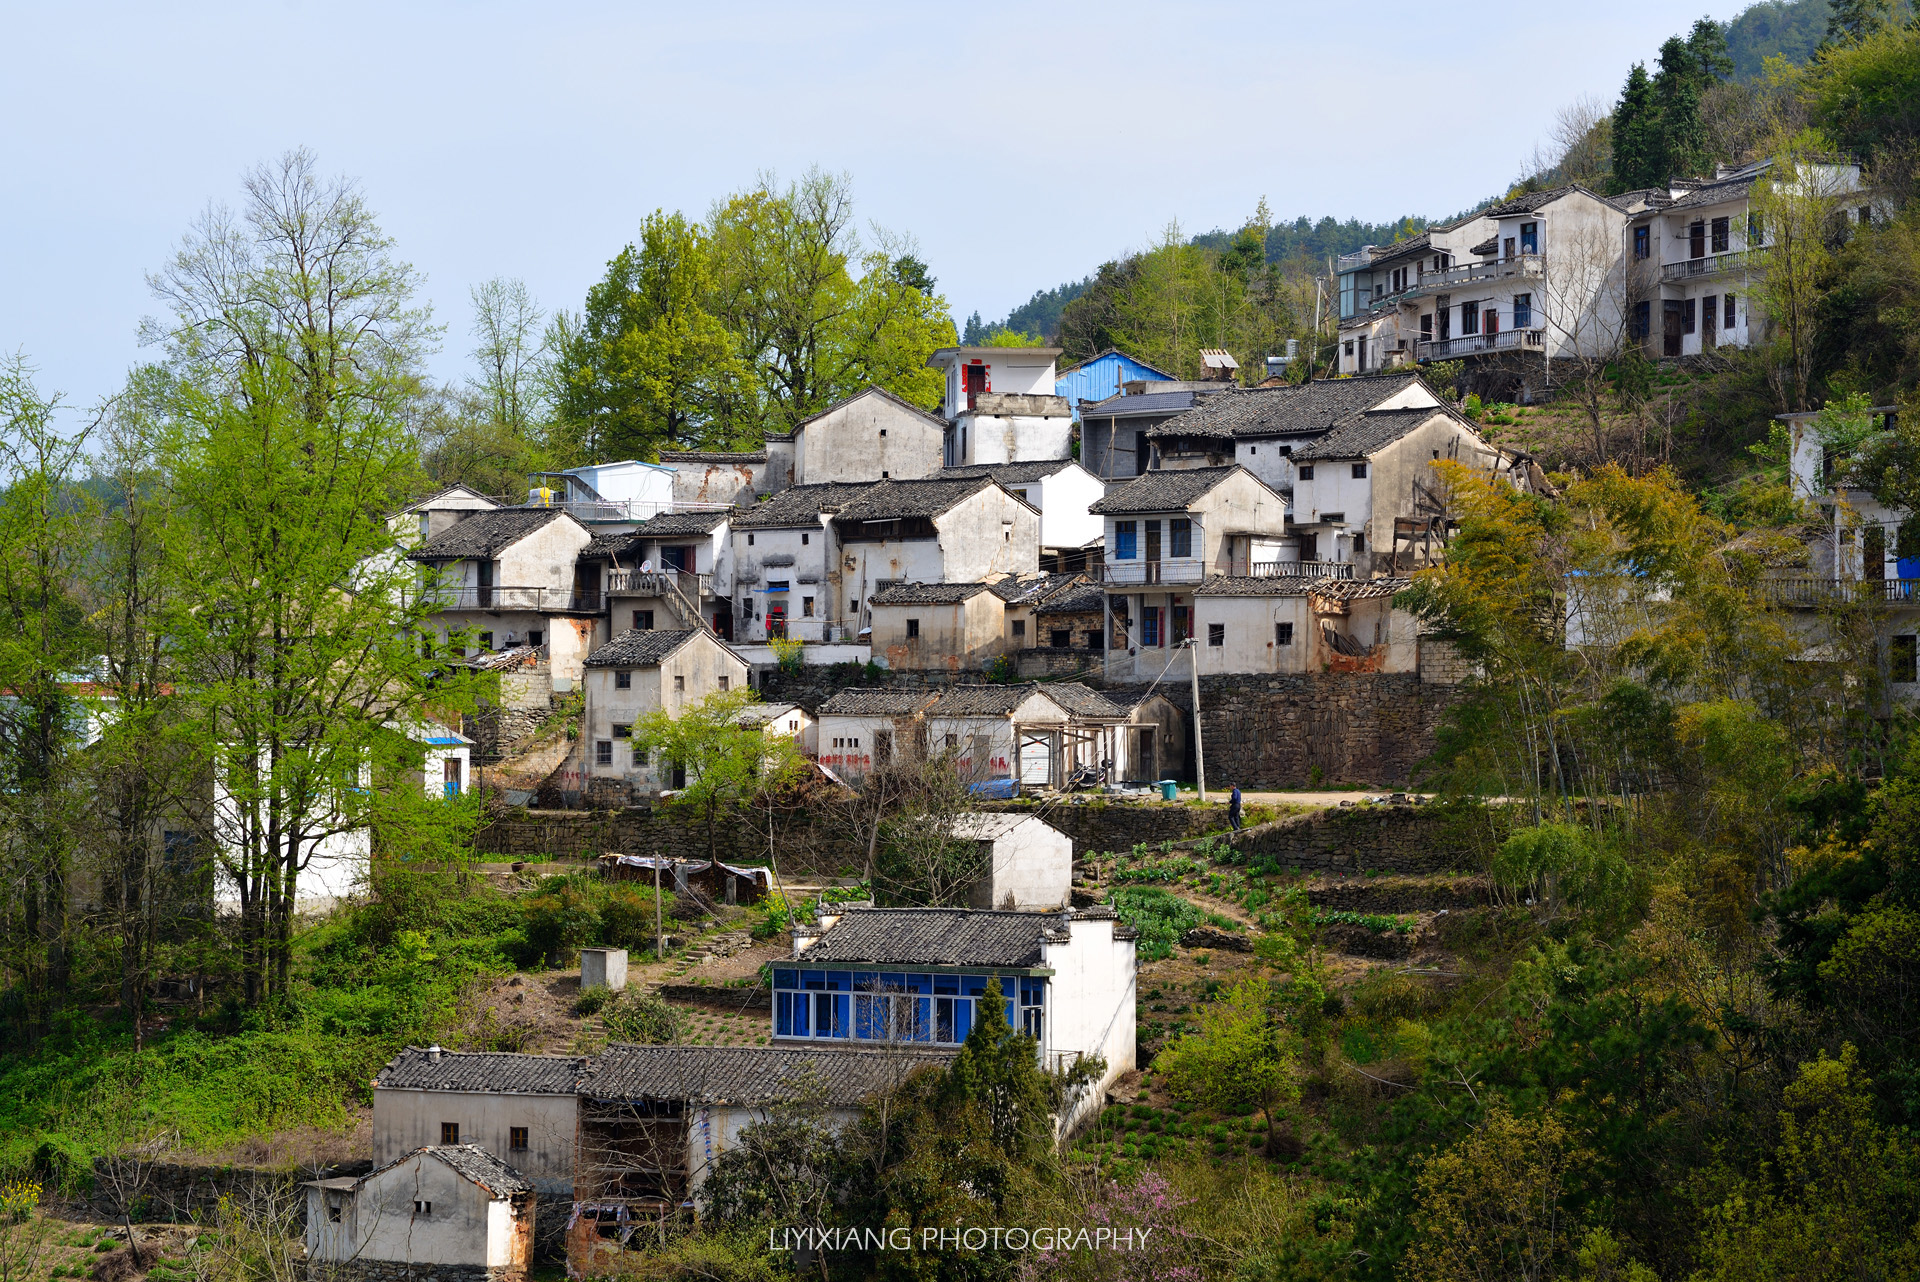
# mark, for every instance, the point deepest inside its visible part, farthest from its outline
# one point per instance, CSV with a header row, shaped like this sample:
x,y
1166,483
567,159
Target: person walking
x,y
1233,808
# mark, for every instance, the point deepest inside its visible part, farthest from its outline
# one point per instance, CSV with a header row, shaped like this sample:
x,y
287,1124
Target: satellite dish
x,y
646,566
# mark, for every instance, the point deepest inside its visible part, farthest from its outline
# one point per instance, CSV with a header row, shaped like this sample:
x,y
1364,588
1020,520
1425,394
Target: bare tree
x,y
509,329
1578,147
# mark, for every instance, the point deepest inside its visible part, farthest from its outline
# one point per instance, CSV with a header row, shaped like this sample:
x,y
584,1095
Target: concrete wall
x,y
698,481
866,439
407,1119
1063,500
988,533
961,637
1012,371
543,558
1091,1006
701,667
1250,643
1010,438
805,559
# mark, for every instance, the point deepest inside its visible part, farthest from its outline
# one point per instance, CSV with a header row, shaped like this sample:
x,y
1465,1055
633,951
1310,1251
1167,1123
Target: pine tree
x,y
1850,20
1707,42
1677,87
1636,137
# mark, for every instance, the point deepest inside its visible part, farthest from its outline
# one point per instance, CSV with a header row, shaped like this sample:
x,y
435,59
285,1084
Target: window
x,y
1216,634
1426,327
853,605
952,741
1727,317
1509,253
804,535
725,682
1469,318
883,431
1283,634
486,640
1709,314
622,731
1019,627
1333,518
1902,655
1359,471
422,1209
449,1132
1150,625
679,685
1125,540
1722,237
1529,238
779,585
885,475
1060,638
536,637
623,680
1359,543
1490,321
1756,230
749,538
333,1207
1697,238
517,1138
1180,537
1687,309
806,607
913,628
1306,471
1349,350
1866,215
1642,243
1093,640
1522,310
602,756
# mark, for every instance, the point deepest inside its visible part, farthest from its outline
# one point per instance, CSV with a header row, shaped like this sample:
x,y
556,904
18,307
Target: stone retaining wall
x,y
756,1000
165,1192
1403,894
1353,840
397,1271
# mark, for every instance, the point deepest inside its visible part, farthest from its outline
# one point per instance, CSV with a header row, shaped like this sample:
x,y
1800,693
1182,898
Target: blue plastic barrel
x,y
1169,790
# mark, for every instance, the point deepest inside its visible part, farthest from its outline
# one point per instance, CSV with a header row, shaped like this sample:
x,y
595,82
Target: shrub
x,y
1159,916
627,916
559,923
643,1018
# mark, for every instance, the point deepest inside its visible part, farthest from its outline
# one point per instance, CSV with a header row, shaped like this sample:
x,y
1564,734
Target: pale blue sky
x,y
1021,144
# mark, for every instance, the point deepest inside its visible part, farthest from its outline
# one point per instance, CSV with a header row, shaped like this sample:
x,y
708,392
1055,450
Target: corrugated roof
x,y
894,500
1365,433
1060,373
800,505
935,937
1295,410
749,1075
876,703
926,593
484,534
413,1069
637,649
1007,473
1162,491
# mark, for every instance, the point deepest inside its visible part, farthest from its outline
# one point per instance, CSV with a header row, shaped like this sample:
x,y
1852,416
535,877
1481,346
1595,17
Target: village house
x,y
723,478
511,577
1063,491
1372,283
522,1109
945,627
1104,375
445,1211
861,728
871,436
787,576
640,673
423,518
655,1119
1289,624
1036,734
962,530
674,570
1114,442
1166,532
1026,862
1151,744
1692,253
914,977
785,720
603,493
1071,618
1001,405
1021,598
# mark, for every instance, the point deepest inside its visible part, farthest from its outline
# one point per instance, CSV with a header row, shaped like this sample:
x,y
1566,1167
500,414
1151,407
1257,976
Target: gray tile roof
x,y
1080,700
1262,585
1087,598
749,1075
1015,590
1127,698
1006,473
935,937
479,1166
1162,491
893,500
1000,701
671,523
413,1070
875,703
800,505
1360,589
927,593
484,534
712,456
1295,410
637,649
1400,249
1365,433
602,546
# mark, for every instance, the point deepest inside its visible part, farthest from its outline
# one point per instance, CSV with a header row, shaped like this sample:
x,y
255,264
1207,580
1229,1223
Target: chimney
x,y
433,1054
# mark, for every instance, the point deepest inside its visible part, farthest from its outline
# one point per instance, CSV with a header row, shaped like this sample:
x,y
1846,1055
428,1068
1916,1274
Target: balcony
x,y
500,600
659,583
1817,592
1520,265
1302,570
1507,340
1712,265
1137,573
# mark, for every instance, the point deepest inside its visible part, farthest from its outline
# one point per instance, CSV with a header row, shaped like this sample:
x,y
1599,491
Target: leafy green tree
x,y
1865,94
1795,207
727,763
1638,156
1239,1058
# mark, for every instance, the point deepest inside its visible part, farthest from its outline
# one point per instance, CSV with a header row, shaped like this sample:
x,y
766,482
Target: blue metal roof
x,y
1100,377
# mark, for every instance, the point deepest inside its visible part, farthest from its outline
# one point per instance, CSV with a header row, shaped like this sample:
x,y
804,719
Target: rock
x,y
1213,937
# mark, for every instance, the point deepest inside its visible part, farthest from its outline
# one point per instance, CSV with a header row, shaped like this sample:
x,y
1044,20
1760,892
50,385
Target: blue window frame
x,y
1180,537
1522,311
1529,238
1126,545
894,1007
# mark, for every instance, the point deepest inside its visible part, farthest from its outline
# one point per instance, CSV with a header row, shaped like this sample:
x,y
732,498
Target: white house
x,y
628,490
871,436
674,570
640,673
943,627
962,530
513,577
1036,734
1290,624
1168,531
1001,405
1029,862
914,977
787,577
445,1209
1151,744
1063,491
423,518
520,1108
861,728
787,721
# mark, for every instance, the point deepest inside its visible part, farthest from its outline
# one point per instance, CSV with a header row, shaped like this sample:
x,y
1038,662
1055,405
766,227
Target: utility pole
x,y
1199,752
659,937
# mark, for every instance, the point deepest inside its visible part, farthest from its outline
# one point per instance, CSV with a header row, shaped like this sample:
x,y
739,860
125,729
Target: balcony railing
x,y
1302,570
1687,268
1841,591
500,599
1137,573
659,583
1507,340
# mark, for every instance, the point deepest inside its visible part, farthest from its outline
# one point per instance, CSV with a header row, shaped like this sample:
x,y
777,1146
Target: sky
x,y
1020,144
